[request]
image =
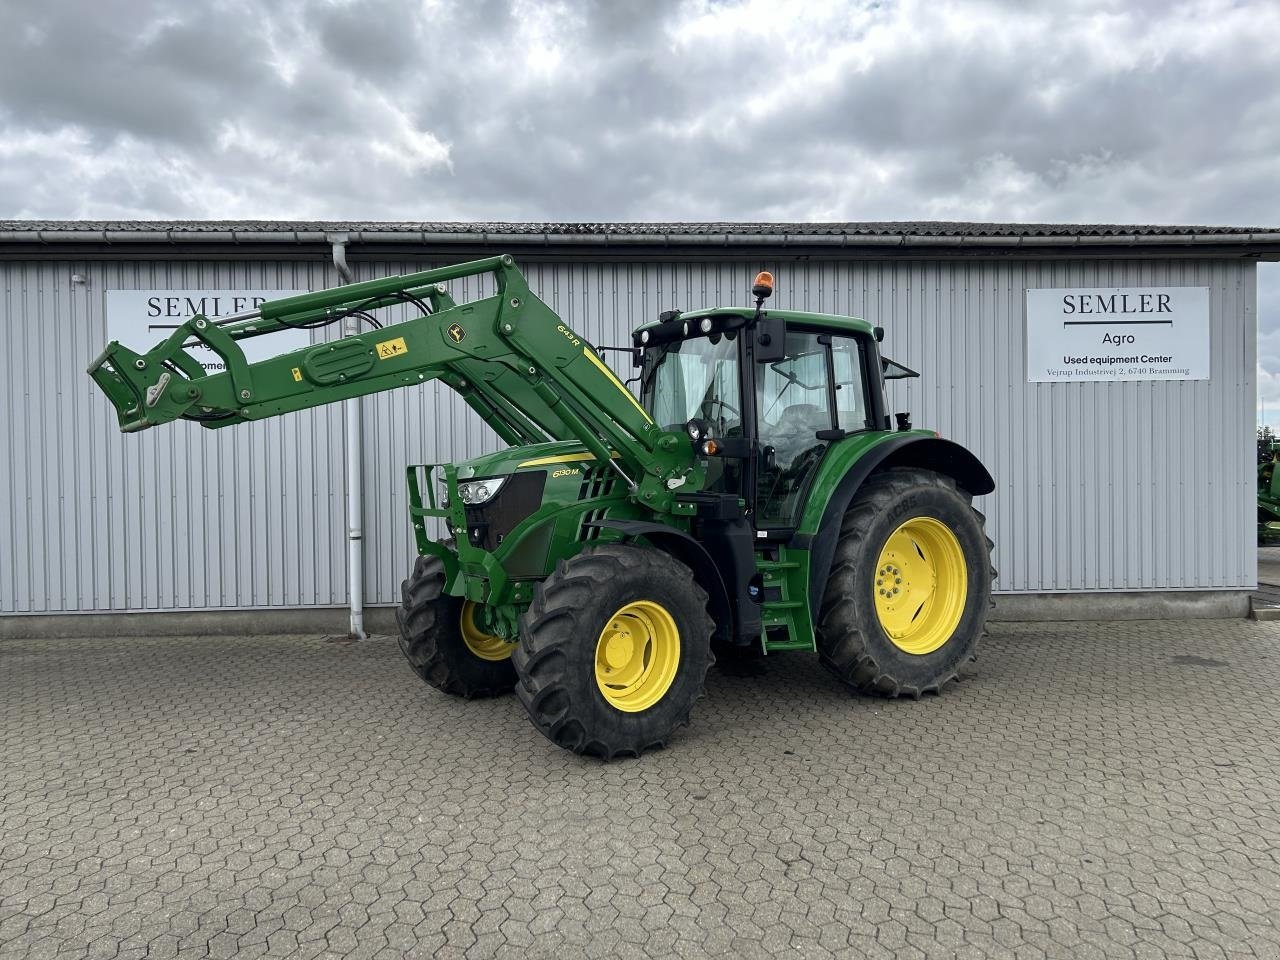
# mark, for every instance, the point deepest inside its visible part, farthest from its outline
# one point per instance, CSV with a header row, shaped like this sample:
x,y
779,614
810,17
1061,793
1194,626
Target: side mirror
x,y
770,343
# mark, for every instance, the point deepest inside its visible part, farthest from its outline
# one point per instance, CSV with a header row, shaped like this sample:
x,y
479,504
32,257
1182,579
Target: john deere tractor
x,y
755,497
1268,491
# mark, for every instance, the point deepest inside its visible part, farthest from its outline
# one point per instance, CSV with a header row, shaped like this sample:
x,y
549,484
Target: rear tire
x,y
614,650
431,638
941,527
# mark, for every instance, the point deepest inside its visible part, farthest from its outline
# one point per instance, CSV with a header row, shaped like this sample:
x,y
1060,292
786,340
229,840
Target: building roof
x,y
883,228
878,234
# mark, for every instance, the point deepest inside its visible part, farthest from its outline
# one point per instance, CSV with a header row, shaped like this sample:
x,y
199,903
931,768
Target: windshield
x,y
692,378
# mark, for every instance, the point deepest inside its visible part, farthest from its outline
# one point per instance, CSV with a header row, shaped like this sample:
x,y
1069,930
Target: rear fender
x,y
910,450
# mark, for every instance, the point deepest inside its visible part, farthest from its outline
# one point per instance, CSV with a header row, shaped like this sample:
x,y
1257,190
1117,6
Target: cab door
x,y
816,394
793,406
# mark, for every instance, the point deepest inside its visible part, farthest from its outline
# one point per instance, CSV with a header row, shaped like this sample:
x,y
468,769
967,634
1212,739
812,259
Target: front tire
x,y
440,639
614,650
910,586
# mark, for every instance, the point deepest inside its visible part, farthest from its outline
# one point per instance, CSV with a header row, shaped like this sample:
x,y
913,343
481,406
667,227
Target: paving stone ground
x,y
1267,593
1089,790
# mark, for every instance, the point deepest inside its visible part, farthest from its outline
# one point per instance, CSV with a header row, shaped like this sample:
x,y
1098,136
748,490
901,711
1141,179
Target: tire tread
x,y
844,650
422,596
551,630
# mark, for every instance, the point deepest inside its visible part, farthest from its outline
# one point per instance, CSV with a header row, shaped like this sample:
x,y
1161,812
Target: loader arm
x,y
508,355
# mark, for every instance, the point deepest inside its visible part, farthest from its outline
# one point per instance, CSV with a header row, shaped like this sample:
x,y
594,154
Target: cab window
x,y
847,364
692,378
698,378
793,403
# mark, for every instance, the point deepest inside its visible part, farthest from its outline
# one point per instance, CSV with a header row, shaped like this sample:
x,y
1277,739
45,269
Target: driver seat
x,y
802,418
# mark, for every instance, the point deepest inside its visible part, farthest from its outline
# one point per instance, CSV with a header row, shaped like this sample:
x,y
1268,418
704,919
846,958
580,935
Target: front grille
x,y
489,523
587,529
597,482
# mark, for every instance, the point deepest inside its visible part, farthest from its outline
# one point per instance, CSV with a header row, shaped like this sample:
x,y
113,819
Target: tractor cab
x,y
762,396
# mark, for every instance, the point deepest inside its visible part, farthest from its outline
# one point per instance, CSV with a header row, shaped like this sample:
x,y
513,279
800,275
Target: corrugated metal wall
x,y
1101,486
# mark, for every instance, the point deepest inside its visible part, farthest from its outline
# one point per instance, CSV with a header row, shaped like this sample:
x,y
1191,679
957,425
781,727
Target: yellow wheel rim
x,y
637,656
486,646
921,585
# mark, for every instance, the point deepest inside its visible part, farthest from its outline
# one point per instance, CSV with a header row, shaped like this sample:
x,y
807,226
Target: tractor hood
x,y
500,492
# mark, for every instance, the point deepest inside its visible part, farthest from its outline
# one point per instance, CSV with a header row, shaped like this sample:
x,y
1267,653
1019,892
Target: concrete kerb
x,y
1151,605
183,623
1136,605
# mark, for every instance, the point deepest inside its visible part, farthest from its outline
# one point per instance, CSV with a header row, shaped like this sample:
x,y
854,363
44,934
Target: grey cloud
x,y
382,38
145,70
397,108
630,122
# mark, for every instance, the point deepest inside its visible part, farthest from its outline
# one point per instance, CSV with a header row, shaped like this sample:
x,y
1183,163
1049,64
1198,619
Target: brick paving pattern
x,y
1090,790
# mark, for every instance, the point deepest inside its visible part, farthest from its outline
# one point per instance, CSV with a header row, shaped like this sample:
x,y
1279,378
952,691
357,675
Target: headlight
x,y
475,492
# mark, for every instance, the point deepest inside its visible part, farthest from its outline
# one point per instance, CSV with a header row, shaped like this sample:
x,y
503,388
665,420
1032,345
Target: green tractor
x,y
756,496
1268,492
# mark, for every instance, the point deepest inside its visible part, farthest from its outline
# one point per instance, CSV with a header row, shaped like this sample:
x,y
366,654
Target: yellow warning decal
x,y
297,374
392,348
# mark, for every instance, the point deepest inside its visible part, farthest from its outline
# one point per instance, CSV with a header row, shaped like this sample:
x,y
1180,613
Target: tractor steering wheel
x,y
727,406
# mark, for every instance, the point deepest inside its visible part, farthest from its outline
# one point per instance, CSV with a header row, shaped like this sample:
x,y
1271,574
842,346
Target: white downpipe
x,y
355,474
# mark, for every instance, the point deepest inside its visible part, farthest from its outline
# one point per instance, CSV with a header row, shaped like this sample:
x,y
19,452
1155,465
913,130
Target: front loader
x,y
756,497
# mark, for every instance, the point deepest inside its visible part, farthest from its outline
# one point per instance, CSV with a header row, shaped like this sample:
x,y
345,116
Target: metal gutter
x,y
789,239
355,465
174,237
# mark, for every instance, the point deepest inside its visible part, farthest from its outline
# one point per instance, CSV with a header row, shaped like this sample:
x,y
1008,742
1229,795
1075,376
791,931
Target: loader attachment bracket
x,y
162,384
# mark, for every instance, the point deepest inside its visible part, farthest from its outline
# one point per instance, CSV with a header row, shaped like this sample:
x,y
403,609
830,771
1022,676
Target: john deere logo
x,y
456,333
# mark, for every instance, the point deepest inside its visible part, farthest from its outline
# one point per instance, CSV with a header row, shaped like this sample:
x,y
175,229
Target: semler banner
x,y
1118,333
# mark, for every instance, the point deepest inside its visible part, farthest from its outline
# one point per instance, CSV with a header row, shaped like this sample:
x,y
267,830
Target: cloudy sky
x,y
1093,111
